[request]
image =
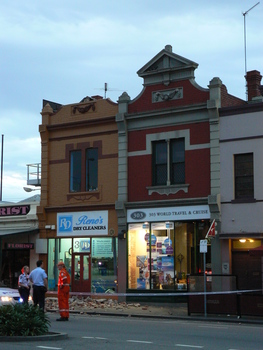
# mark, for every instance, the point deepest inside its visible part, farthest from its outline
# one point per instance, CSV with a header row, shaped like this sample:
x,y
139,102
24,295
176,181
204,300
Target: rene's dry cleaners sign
x,y
93,223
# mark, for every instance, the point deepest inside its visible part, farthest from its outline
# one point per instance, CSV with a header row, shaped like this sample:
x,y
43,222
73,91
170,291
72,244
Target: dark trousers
x,y
39,296
24,293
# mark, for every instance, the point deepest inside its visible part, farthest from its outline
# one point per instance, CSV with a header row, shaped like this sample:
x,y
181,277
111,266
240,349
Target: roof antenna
x,y
245,41
105,89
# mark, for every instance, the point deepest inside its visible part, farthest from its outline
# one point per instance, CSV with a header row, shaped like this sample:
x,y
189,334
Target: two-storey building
x,y
169,175
77,216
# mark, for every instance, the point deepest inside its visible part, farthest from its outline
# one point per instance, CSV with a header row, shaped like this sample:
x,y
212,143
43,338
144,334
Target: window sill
x,y
81,196
172,189
243,200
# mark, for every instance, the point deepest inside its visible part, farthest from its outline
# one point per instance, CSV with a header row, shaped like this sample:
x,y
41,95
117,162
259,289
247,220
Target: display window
x,y
91,263
161,254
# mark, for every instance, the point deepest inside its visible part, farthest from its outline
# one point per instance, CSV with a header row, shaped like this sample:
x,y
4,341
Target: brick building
x,y
169,175
78,192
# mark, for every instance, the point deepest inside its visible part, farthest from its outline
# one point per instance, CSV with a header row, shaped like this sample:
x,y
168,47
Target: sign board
x,y
90,223
195,212
203,246
17,210
19,245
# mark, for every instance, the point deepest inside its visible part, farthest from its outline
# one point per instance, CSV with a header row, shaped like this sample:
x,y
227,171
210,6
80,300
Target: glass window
x,y
159,163
75,171
161,254
91,169
177,161
104,265
58,249
244,176
169,162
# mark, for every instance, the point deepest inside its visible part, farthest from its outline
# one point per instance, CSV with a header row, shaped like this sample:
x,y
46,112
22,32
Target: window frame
x,y
241,180
75,168
169,162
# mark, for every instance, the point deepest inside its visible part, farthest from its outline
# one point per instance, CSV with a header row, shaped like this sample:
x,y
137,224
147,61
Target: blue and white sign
x,y
195,212
90,223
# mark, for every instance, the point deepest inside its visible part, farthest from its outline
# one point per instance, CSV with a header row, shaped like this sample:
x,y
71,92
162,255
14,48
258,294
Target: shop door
x,y
81,273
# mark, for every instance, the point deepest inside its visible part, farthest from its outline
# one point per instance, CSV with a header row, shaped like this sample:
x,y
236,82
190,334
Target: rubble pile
x,y
84,304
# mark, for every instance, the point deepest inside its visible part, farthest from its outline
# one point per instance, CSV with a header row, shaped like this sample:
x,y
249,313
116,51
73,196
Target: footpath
x,y
111,307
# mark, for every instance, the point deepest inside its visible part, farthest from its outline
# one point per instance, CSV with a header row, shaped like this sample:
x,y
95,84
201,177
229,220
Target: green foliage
x,y
23,320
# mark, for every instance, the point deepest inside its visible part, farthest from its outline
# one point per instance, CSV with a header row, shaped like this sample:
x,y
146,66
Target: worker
x,y
23,284
63,292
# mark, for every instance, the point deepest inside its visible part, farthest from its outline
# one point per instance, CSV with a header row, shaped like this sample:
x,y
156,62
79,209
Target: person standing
x,y
23,284
39,279
63,292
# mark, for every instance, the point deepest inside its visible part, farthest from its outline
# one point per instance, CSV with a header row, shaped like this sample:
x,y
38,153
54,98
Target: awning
x,y
256,251
7,232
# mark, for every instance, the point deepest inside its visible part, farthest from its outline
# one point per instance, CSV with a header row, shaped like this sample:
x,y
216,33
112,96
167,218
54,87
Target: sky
x,y
64,50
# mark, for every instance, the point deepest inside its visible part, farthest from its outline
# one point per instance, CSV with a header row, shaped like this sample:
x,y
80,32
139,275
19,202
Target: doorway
x,y
81,270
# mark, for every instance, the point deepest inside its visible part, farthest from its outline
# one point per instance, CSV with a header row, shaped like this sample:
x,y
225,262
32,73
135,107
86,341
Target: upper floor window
x,y
91,169
75,171
244,176
169,162
84,170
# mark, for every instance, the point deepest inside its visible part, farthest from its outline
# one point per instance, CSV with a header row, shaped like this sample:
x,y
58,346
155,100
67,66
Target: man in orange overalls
x,y
63,292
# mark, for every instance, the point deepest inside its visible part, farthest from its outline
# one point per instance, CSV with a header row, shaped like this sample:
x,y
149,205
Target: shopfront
x,y
19,239
89,253
164,246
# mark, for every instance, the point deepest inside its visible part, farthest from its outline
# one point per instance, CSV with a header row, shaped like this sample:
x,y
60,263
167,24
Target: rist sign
x,y
203,246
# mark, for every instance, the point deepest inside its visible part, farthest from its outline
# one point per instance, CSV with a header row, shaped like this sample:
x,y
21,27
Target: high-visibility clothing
x,y
63,292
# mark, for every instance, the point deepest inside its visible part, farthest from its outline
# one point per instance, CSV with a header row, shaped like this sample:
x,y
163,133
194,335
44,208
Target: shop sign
x,y
14,210
197,212
102,247
19,245
90,223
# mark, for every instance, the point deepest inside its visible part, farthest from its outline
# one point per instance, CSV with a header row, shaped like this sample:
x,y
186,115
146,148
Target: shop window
x,y
158,256
58,249
169,162
104,265
84,180
244,176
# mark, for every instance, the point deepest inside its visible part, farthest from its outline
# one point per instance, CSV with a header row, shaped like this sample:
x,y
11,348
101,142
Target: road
x,y
129,333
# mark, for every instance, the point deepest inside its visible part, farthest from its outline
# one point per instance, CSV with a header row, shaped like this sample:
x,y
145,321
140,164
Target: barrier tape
x,y
174,294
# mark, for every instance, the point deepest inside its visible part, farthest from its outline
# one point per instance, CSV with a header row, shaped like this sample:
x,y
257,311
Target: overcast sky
x,y
64,50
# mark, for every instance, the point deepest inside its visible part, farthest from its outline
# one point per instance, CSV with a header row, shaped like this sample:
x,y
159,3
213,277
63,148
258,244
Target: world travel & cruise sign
x,y
196,212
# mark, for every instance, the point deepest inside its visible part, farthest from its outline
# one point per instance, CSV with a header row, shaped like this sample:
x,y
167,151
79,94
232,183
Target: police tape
x,y
152,294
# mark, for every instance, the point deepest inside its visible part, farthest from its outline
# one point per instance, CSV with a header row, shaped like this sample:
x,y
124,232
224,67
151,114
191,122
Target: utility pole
x,y
245,39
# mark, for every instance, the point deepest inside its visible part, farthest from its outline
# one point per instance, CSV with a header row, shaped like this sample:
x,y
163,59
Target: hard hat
x,y
60,263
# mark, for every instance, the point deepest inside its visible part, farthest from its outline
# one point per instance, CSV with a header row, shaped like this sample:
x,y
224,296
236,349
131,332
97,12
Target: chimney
x,y
253,84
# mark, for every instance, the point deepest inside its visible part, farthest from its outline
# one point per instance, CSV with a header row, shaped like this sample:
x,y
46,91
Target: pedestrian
x,y
39,279
63,292
24,285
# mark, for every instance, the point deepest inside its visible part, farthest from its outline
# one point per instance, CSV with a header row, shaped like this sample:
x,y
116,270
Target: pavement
x,y
177,311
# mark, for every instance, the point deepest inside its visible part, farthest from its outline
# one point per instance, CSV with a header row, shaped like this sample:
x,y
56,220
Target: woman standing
x,y
23,284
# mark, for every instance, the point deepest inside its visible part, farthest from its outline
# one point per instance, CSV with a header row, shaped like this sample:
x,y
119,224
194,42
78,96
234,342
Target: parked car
x,y
10,296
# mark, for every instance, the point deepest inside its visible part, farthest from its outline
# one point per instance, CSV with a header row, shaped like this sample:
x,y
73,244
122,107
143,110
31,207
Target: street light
x,y
29,189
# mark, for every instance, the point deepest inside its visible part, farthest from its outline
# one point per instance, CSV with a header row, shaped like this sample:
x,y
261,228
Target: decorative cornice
x,y
85,109
166,95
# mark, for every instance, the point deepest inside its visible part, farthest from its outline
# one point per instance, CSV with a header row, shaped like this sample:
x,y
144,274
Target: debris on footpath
x,y
85,304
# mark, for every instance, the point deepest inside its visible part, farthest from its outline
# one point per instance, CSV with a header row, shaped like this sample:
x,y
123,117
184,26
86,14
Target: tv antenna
x,y
106,88
245,39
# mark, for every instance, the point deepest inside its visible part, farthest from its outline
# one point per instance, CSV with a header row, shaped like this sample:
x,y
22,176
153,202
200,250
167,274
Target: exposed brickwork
x,y
228,100
253,84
